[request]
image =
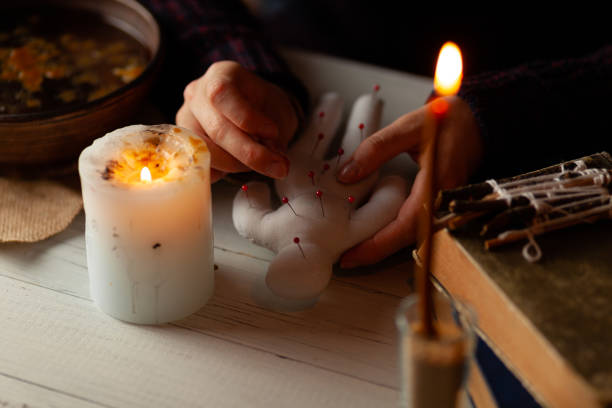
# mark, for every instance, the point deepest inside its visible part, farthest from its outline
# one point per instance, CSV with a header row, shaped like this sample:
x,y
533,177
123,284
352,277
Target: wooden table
x,y
242,349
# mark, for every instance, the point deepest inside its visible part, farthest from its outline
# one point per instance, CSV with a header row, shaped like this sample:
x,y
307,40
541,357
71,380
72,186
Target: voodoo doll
x,y
318,217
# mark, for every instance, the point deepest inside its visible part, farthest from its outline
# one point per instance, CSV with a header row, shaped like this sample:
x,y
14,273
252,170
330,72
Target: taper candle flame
x,y
449,70
145,175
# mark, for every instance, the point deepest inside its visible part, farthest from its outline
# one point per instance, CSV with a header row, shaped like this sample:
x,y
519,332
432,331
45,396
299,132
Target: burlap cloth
x,y
34,209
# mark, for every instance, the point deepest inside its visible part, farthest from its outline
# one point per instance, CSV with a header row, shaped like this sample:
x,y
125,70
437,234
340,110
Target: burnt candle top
x,y
165,153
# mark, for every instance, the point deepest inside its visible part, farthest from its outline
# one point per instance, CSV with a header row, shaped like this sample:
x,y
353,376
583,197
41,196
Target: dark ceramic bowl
x,y
58,135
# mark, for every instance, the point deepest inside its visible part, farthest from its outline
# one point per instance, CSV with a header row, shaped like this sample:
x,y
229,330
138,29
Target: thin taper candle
x,y
423,275
447,80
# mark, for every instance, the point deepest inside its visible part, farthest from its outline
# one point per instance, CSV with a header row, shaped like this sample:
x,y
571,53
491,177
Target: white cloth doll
x,y
318,218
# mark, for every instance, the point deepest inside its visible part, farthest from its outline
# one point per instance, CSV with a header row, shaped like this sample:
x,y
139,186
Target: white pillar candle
x,y
146,193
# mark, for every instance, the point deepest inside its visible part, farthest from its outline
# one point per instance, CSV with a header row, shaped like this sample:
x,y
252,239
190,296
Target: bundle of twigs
x,y
524,206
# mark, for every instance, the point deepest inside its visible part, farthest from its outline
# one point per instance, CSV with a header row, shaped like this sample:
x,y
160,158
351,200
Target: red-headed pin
x,y
376,88
245,188
319,195
321,116
350,199
325,168
296,241
320,137
340,153
286,201
361,126
311,176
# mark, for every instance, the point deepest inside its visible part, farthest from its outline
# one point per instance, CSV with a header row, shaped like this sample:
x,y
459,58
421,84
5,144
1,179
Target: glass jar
x,y
434,371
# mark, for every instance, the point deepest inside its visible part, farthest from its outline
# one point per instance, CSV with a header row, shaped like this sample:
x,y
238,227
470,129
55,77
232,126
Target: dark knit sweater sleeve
x,y
219,30
542,112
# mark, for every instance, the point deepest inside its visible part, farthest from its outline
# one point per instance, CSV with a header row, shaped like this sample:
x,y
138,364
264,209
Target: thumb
x,y
190,90
403,135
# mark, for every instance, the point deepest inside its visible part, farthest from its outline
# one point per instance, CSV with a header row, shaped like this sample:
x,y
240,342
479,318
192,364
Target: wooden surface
x,y
243,349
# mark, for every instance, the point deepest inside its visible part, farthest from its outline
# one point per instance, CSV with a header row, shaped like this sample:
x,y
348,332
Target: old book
x,y
550,321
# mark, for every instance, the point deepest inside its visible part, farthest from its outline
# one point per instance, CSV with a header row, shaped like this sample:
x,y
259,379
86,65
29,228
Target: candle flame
x,y
449,70
145,175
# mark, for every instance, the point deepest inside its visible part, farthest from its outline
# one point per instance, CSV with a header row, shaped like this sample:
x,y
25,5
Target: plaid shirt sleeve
x,y
543,112
224,30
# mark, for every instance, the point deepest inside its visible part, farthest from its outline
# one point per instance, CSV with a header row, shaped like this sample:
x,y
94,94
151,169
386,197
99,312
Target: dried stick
x,y
525,214
589,215
479,190
508,219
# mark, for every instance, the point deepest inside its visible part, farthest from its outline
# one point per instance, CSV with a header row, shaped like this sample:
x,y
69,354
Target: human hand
x,y
246,121
459,153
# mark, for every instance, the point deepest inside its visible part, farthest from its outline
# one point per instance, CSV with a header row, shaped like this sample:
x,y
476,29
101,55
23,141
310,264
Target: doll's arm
x,y
253,217
380,210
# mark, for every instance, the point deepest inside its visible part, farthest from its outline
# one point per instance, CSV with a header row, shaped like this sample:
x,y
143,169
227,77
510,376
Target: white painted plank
x,y
17,393
58,262
350,330
66,344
